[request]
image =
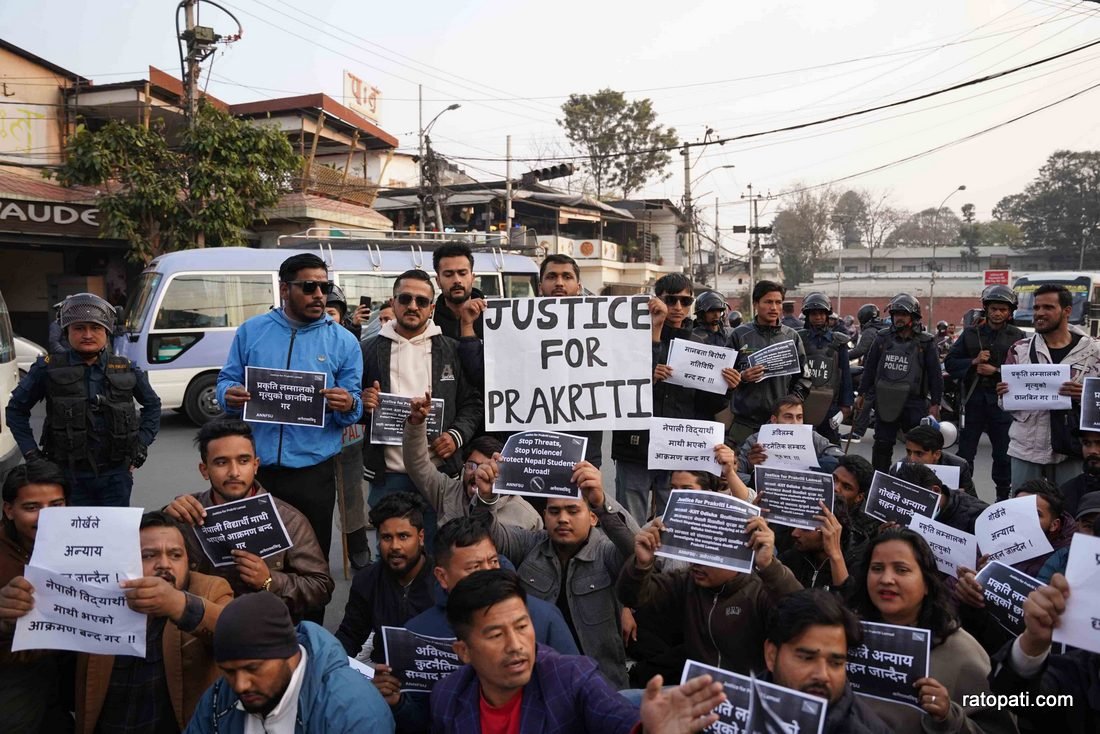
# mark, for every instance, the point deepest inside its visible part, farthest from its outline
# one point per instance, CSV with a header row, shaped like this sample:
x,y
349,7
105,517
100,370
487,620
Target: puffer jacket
x,y
754,401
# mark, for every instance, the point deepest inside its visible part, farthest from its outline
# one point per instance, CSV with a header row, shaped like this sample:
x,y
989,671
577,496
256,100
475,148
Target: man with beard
x,y
1088,481
280,679
852,481
157,693
807,650
299,575
396,587
1041,441
459,306
817,557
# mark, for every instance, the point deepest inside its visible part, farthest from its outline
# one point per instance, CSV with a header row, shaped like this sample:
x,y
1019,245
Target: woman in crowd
x,y
898,583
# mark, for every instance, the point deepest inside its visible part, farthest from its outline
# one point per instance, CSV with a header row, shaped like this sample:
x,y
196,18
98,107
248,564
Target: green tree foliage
x,y
1058,213
800,233
605,127
926,228
849,218
204,187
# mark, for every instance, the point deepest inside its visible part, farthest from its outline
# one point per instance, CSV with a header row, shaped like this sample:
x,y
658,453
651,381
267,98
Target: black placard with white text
x,y
418,661
790,497
755,706
707,528
889,661
1005,590
894,500
540,464
251,524
290,397
387,422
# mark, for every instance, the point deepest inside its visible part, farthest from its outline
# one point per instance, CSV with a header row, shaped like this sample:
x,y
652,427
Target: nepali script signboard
x,y
540,464
252,524
1005,589
678,444
708,528
568,364
290,397
699,365
889,661
1035,386
895,500
755,706
418,661
1009,531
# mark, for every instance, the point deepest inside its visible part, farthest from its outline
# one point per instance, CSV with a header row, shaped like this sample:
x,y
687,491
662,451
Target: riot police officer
x,y
735,319
869,327
92,430
710,319
900,373
975,360
827,365
943,340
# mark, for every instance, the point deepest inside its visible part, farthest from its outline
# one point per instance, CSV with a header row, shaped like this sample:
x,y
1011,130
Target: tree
x,y
863,218
970,236
609,130
800,233
206,187
849,218
926,228
1058,213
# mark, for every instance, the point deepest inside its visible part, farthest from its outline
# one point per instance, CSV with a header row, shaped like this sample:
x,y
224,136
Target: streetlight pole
x,y
427,155
935,238
689,210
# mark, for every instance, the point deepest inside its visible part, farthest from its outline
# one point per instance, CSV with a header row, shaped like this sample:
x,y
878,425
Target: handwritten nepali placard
x,y
290,397
778,359
387,422
889,661
1090,404
707,528
699,365
895,500
70,615
754,706
579,364
540,464
251,524
951,476
952,548
1005,590
1035,386
791,497
681,444
418,661
788,445
1079,625
93,545
1009,531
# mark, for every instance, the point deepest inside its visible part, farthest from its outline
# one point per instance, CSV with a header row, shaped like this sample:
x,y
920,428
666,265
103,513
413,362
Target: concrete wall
x,y
30,129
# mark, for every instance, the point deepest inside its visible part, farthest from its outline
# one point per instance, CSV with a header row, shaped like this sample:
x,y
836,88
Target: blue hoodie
x,y
269,340
333,699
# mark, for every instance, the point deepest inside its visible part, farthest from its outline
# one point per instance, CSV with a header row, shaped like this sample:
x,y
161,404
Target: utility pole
x,y
717,243
686,153
508,189
420,155
200,42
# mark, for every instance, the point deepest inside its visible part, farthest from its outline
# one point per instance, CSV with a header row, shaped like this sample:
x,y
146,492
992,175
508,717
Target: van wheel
x,y
200,401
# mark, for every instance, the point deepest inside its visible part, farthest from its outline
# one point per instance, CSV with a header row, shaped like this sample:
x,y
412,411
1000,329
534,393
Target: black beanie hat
x,y
255,627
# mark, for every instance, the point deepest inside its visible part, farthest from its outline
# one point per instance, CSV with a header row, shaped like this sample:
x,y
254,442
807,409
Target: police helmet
x,y
336,297
941,326
867,312
735,318
87,308
710,301
816,302
1000,294
904,303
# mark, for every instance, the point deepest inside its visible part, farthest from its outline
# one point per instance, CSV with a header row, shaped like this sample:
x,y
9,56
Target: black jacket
x,y
961,510
1076,673
1075,490
849,715
753,402
376,598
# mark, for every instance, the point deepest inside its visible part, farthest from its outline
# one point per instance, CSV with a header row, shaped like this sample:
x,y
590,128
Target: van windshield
x,y
137,309
1025,289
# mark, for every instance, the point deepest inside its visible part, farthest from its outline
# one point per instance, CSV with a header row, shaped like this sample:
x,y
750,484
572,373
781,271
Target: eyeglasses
x,y
406,298
310,286
684,301
471,466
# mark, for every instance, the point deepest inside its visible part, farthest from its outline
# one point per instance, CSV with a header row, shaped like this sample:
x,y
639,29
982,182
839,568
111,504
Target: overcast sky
x,y
736,67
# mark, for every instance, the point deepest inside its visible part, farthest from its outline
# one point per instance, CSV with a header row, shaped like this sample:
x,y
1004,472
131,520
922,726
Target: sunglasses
x,y
406,298
310,286
684,301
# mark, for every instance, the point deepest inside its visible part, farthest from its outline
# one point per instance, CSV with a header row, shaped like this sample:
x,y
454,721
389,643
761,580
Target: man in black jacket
x,y
924,445
956,508
1087,481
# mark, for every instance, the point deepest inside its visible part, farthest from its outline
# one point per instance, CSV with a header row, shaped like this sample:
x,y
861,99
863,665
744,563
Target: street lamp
x,y
690,212
932,286
426,143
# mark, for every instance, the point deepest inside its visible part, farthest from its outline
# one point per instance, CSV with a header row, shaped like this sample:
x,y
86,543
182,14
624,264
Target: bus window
x,y
137,310
7,338
488,284
519,286
214,300
378,286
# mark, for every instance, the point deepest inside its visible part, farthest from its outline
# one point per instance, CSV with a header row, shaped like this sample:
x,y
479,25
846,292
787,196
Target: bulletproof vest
x,y
900,374
70,411
998,350
822,364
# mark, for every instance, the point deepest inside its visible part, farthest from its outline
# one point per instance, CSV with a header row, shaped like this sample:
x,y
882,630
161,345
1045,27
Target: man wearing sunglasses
x,y
298,463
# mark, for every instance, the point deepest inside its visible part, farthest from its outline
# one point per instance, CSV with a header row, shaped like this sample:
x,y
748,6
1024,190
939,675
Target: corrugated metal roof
x,y
30,186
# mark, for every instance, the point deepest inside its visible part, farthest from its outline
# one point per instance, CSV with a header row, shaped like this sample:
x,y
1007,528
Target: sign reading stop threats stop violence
x,y
572,364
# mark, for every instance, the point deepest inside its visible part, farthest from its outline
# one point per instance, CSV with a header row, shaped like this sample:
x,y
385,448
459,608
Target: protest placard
x,y
952,548
699,365
888,662
1035,386
790,497
93,545
568,363
778,359
1009,531
1079,625
1090,404
951,476
755,706
353,434
707,528
361,668
290,397
418,661
71,615
788,445
252,524
1005,590
387,422
894,500
678,444
540,464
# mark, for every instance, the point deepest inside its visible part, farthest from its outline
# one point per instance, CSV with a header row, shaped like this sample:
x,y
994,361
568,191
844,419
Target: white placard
x,y
680,444
1079,625
93,545
1035,386
951,476
699,365
788,446
1009,531
952,548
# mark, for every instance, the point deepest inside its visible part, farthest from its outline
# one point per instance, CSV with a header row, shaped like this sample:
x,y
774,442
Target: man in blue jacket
x,y
277,678
298,463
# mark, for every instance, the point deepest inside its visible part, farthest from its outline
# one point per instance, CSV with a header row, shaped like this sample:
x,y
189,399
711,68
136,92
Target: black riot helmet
x,y
941,326
709,301
904,303
735,318
867,312
816,302
1000,294
336,299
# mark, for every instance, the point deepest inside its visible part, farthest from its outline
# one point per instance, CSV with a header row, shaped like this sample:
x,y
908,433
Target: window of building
x,y
908,268
998,262
851,268
878,269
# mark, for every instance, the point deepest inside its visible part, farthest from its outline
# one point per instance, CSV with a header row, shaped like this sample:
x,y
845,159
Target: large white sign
x,y
568,364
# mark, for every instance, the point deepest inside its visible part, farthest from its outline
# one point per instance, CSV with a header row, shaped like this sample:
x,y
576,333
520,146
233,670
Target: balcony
x,y
326,181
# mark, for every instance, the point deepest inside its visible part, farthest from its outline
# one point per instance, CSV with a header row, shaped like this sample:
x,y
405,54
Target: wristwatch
x,y
267,584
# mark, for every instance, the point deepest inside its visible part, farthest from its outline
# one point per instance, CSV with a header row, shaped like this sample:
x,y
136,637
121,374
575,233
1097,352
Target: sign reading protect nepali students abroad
x,y
418,661
889,661
252,524
291,397
790,446
80,556
755,706
791,497
1005,590
1079,625
1035,386
1009,531
1090,404
894,500
707,528
778,359
952,548
387,422
575,364
699,365
680,443
540,464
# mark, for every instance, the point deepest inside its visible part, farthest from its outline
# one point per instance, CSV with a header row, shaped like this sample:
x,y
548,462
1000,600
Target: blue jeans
x,y
394,483
1059,474
106,490
633,484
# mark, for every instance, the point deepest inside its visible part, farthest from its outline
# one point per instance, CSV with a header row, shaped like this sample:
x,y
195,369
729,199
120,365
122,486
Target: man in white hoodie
x,y
410,356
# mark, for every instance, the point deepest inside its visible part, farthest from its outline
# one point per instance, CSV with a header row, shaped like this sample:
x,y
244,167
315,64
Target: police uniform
x,y
828,368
